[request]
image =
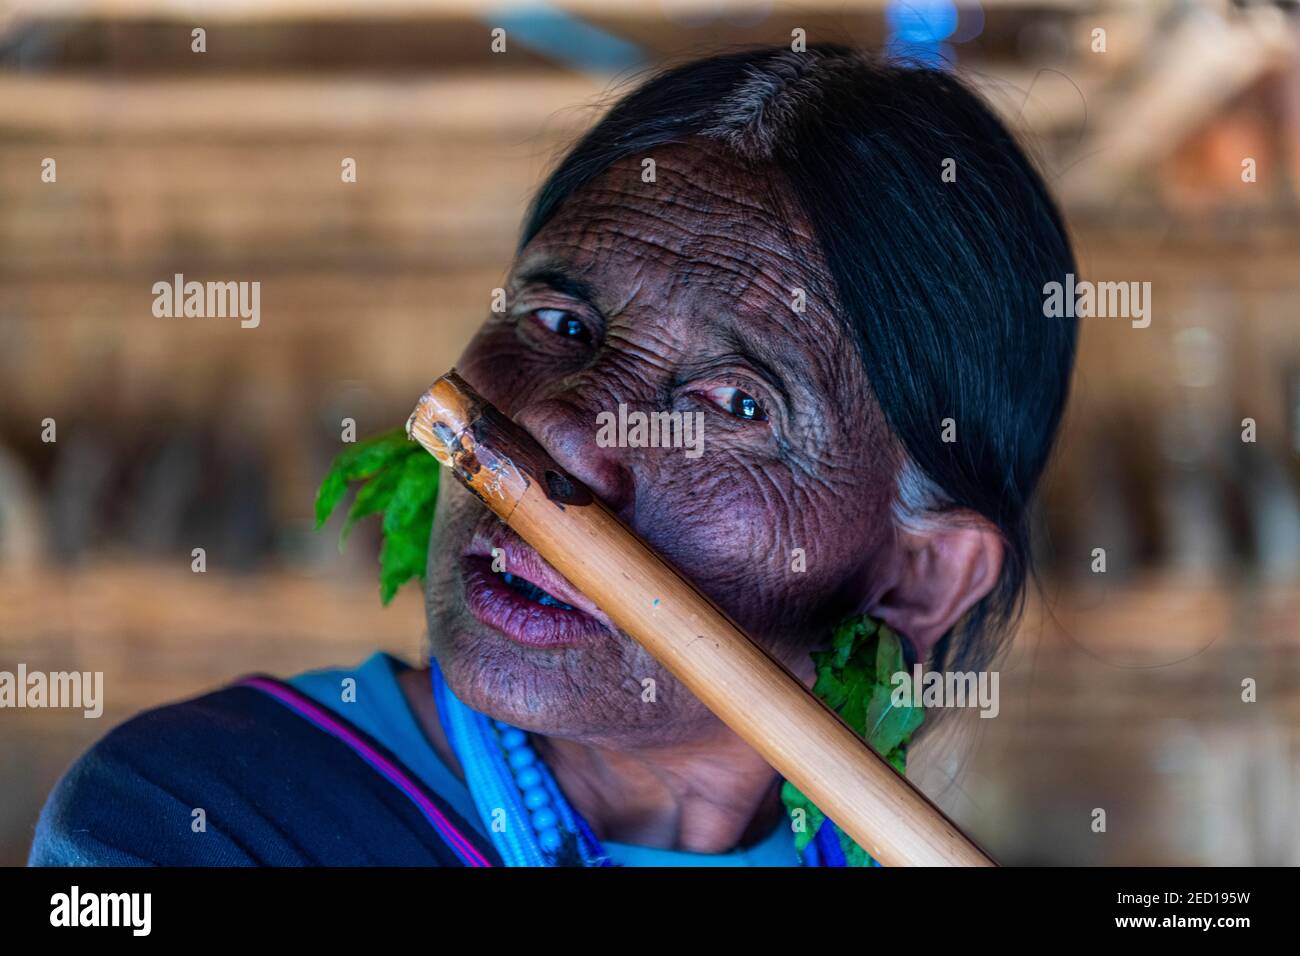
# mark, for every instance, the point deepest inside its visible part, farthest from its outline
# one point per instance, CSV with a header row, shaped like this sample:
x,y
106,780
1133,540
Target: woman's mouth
x,y
531,591
522,604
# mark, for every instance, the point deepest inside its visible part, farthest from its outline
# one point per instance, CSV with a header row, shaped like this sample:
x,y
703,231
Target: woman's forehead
x,y
697,227
694,184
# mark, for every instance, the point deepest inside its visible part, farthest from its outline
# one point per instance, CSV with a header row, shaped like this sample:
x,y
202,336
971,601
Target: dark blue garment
x,y
275,788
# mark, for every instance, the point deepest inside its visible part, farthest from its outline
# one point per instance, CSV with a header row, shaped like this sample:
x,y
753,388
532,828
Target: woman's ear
x,y
937,572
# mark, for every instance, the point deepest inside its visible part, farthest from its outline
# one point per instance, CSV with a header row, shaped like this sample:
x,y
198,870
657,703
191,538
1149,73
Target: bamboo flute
x,y
647,598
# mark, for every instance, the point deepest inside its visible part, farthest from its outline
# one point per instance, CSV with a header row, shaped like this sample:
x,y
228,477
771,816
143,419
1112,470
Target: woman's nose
x,y
568,432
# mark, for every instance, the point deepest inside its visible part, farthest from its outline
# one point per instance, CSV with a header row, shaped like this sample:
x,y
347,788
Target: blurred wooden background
x,y
1122,690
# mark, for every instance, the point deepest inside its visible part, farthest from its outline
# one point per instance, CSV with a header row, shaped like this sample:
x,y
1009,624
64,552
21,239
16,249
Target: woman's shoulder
x,y
258,773
158,788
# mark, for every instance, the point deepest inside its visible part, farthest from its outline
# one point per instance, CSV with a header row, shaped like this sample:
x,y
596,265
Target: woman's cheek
x,y
757,532
716,525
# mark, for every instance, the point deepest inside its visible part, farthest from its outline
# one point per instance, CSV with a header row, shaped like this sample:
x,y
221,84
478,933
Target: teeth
x,y
532,591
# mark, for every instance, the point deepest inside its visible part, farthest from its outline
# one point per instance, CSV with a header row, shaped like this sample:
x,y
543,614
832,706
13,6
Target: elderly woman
x,y
839,263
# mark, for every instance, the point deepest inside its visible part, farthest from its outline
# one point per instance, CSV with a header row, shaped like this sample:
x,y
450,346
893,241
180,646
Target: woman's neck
x,y
705,797
708,796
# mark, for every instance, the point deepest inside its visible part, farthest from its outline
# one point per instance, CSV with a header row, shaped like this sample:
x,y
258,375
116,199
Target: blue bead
x,y
549,840
544,819
501,725
512,738
535,797
528,778
520,758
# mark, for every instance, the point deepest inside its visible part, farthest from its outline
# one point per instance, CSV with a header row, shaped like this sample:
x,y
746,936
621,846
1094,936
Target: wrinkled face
x,y
672,296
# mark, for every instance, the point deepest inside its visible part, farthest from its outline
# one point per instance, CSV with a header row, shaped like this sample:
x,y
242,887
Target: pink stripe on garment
x,y
322,719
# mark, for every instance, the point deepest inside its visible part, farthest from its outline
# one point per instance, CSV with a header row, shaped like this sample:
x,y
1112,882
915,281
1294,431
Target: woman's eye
x,y
735,402
563,323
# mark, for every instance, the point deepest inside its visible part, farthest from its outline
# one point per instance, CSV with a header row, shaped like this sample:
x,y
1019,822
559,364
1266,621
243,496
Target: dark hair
x,y
939,282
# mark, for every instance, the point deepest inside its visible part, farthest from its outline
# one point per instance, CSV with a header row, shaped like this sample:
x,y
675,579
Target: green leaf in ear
x,y
854,679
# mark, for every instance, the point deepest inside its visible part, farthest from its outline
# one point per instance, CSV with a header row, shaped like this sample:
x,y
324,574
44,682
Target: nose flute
x,y
692,637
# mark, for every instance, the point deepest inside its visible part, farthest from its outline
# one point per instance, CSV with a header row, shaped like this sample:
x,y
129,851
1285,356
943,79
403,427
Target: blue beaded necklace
x,y
521,806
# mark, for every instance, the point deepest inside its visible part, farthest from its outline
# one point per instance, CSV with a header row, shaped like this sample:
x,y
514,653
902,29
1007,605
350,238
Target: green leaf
x,y
794,800
358,463
854,855
331,492
859,682
372,498
367,457
408,519
400,483
854,678
890,726
417,485
403,557
889,655
849,634
887,726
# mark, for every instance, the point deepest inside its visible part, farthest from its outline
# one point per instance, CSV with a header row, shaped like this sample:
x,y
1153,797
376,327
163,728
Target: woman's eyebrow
x,y
560,281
